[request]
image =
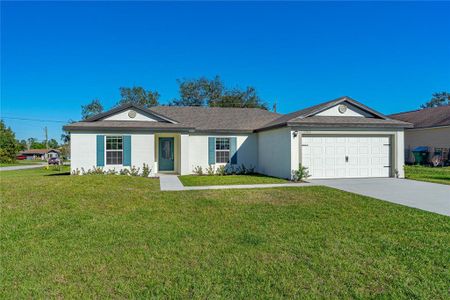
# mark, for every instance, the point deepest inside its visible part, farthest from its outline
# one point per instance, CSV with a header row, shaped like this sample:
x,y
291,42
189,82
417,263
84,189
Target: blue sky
x,y
57,56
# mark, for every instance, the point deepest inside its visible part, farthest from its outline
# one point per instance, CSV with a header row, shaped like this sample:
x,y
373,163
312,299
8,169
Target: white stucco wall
x,y
274,152
84,150
198,150
143,150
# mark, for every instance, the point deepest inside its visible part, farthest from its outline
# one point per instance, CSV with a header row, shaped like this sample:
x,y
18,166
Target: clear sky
x,y
57,56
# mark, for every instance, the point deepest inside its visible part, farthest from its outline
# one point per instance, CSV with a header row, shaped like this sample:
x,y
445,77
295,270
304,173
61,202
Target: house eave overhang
x,y
126,129
270,127
429,127
348,125
156,129
225,131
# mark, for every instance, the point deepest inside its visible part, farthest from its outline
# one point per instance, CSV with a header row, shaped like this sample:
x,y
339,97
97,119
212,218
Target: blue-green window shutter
x,y
127,150
100,150
233,152
211,150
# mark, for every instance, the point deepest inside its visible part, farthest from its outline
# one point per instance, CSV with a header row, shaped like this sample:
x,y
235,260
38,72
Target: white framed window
x,y
114,150
222,150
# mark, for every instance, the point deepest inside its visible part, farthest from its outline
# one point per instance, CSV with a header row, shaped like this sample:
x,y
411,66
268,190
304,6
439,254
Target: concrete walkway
x,y
427,196
169,182
22,167
172,183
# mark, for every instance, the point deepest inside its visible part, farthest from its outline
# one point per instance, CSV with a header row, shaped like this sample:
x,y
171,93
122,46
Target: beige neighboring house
x,y
431,129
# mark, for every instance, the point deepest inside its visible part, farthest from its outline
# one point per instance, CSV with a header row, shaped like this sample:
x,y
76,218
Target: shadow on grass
x,y
59,174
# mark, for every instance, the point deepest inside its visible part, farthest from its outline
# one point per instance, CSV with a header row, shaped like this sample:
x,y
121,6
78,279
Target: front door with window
x,y
166,154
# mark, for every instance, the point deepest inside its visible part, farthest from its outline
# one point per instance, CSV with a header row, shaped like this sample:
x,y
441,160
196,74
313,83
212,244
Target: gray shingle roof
x,y
425,118
230,119
218,118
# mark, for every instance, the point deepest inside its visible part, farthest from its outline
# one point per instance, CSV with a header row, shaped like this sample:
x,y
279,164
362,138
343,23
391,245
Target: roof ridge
x,y
211,107
420,109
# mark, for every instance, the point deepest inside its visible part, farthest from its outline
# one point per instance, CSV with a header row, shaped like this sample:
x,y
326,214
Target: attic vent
x,y
132,114
342,108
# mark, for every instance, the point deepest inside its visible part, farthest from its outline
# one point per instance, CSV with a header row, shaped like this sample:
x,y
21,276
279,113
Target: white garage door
x,y
343,156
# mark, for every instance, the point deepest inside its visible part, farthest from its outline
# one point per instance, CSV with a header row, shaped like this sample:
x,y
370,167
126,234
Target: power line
x,y
36,120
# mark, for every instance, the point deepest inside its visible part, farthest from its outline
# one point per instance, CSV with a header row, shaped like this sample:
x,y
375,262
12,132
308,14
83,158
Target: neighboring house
x,y
431,129
40,154
337,139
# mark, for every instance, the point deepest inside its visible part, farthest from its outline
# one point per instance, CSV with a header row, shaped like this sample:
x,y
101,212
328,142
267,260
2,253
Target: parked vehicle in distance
x,y
54,161
21,157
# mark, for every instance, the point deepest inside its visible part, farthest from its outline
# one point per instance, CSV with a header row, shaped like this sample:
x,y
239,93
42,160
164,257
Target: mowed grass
x,y
436,175
192,180
120,237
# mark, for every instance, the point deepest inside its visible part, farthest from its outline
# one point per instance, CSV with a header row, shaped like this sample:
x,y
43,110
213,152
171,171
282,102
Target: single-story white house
x,y
341,138
431,129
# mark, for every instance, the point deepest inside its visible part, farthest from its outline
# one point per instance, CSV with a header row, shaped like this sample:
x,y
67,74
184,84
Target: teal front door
x,y
166,157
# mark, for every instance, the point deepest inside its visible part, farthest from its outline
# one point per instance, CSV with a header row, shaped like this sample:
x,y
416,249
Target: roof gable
x,y
345,109
345,100
312,115
121,113
130,115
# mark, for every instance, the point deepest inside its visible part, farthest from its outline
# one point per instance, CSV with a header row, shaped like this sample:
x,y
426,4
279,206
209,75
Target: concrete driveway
x,y
427,196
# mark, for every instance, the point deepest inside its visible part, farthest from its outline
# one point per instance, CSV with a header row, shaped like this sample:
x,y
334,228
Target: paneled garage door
x,y
346,157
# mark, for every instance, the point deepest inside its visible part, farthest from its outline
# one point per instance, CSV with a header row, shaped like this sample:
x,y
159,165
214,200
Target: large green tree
x,y
8,144
199,92
91,109
438,99
139,96
241,98
214,93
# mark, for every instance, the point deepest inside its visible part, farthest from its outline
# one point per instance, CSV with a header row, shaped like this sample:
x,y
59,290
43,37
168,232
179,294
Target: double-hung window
x,y
114,150
222,150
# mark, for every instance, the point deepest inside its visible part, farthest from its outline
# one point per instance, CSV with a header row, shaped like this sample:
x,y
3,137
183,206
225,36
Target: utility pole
x,y
275,106
46,137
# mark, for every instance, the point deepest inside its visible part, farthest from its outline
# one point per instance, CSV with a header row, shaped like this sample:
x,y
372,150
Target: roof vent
x,y
132,114
342,108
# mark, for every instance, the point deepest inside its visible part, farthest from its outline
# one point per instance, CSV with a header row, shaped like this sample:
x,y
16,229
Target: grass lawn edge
x,y
212,180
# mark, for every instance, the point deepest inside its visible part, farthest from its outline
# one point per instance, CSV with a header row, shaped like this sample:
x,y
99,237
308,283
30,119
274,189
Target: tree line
x,y
196,92
192,92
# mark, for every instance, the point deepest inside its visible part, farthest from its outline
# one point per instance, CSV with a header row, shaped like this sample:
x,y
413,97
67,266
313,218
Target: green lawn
x,y
120,237
22,162
192,180
437,175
